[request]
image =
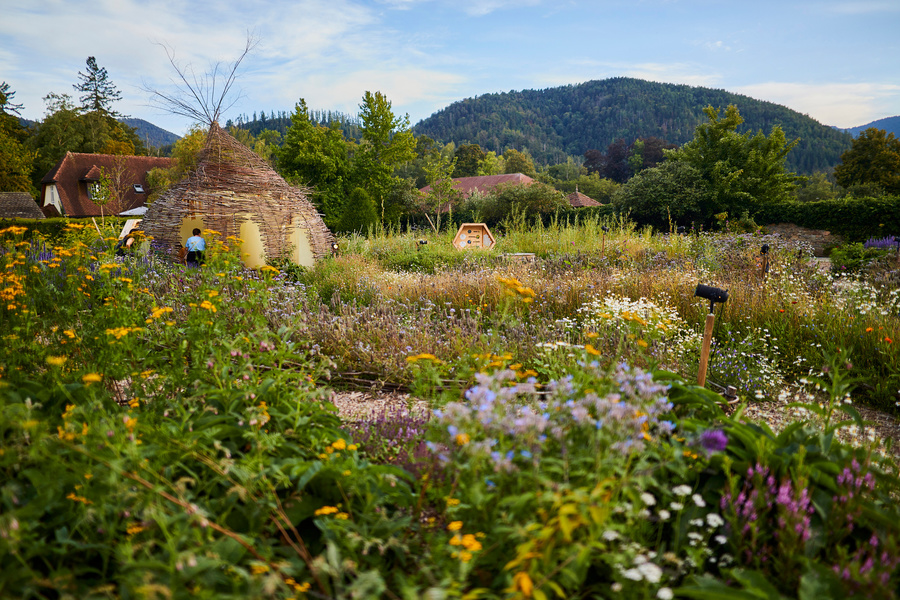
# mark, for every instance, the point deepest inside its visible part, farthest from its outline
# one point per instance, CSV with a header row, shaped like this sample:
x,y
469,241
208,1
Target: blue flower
x,y
713,440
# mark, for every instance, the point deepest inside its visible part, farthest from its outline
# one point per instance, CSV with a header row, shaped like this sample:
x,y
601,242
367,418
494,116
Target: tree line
x,y
367,169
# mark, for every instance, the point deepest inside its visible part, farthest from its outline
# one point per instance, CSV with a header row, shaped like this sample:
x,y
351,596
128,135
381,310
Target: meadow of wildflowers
x,y
167,432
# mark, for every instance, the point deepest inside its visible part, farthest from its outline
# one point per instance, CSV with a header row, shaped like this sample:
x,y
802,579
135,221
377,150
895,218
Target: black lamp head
x,y
764,249
713,294
422,242
605,229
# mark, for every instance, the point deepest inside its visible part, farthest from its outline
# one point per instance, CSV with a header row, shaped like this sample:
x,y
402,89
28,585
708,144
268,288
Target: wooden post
x,y
704,351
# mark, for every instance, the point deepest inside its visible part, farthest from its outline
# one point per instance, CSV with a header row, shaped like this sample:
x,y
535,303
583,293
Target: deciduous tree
x,y
874,158
468,157
519,162
16,160
740,170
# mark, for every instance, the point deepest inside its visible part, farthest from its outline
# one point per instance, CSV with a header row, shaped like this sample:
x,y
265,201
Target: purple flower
x,y
713,440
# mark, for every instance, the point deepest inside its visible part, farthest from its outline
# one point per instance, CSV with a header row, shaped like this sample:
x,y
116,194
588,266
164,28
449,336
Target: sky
x,y
837,61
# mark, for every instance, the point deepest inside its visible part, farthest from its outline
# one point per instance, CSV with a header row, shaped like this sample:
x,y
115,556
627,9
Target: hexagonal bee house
x,y
473,235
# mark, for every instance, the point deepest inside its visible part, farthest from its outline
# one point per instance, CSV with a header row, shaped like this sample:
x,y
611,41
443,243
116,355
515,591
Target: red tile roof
x,y
467,185
579,200
75,170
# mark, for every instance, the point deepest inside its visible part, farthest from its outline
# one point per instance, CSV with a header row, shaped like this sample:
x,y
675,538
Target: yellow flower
x,y
339,444
92,378
342,516
452,501
134,529
591,350
69,333
462,439
470,543
352,447
259,569
326,510
56,361
206,304
455,526
641,343
522,582
465,556
423,356
71,496
134,403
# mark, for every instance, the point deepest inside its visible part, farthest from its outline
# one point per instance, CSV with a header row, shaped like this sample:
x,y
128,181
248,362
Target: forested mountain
x,y
889,124
150,134
569,120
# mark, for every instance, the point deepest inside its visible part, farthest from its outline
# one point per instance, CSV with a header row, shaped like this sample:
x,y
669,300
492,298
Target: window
x,y
138,188
93,190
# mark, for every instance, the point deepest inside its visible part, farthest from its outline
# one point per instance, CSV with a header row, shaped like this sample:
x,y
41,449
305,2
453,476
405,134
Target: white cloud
x,y
840,104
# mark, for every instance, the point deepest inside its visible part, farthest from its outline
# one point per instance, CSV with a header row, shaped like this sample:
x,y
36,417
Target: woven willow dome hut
x,y
235,192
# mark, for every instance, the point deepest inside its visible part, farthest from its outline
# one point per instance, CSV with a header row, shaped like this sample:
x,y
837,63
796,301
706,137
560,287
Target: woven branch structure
x,y
230,186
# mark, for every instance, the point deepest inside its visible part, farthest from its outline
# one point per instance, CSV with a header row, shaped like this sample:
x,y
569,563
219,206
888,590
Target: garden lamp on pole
x,y
713,295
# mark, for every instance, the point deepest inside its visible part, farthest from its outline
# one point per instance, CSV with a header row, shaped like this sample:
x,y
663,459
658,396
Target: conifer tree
x,y
98,92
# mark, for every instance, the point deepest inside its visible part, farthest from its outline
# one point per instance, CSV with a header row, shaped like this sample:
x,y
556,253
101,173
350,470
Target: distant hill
x,y
150,134
555,122
889,124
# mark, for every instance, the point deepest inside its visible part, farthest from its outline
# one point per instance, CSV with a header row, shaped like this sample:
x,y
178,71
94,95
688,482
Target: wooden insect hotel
x,y
234,192
473,235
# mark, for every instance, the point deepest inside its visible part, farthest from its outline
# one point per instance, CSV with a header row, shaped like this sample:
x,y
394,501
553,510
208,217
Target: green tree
x,y
519,162
815,187
468,157
386,143
98,92
318,157
673,192
439,170
741,171
16,161
185,153
359,213
491,164
874,158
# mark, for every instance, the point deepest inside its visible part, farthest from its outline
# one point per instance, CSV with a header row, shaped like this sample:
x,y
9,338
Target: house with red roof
x,y
483,184
69,189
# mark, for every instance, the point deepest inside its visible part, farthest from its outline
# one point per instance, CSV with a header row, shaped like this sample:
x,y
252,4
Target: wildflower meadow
x,y
170,432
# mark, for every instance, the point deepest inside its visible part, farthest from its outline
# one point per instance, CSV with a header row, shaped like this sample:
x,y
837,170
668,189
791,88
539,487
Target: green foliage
x,y
98,91
359,213
468,157
852,257
386,143
855,218
185,153
555,122
317,157
674,193
67,128
530,200
518,162
740,171
167,431
874,158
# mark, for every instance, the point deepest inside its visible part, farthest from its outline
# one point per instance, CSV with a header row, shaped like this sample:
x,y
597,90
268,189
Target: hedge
x,y
856,219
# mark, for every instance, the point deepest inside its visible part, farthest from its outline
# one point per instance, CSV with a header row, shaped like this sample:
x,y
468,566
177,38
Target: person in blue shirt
x,y
195,246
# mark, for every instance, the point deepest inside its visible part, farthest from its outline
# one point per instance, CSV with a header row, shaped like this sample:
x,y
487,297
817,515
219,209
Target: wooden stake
x,y
704,351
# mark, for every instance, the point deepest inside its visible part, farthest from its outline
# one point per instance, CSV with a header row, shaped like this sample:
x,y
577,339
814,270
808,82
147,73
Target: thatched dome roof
x,y
232,184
